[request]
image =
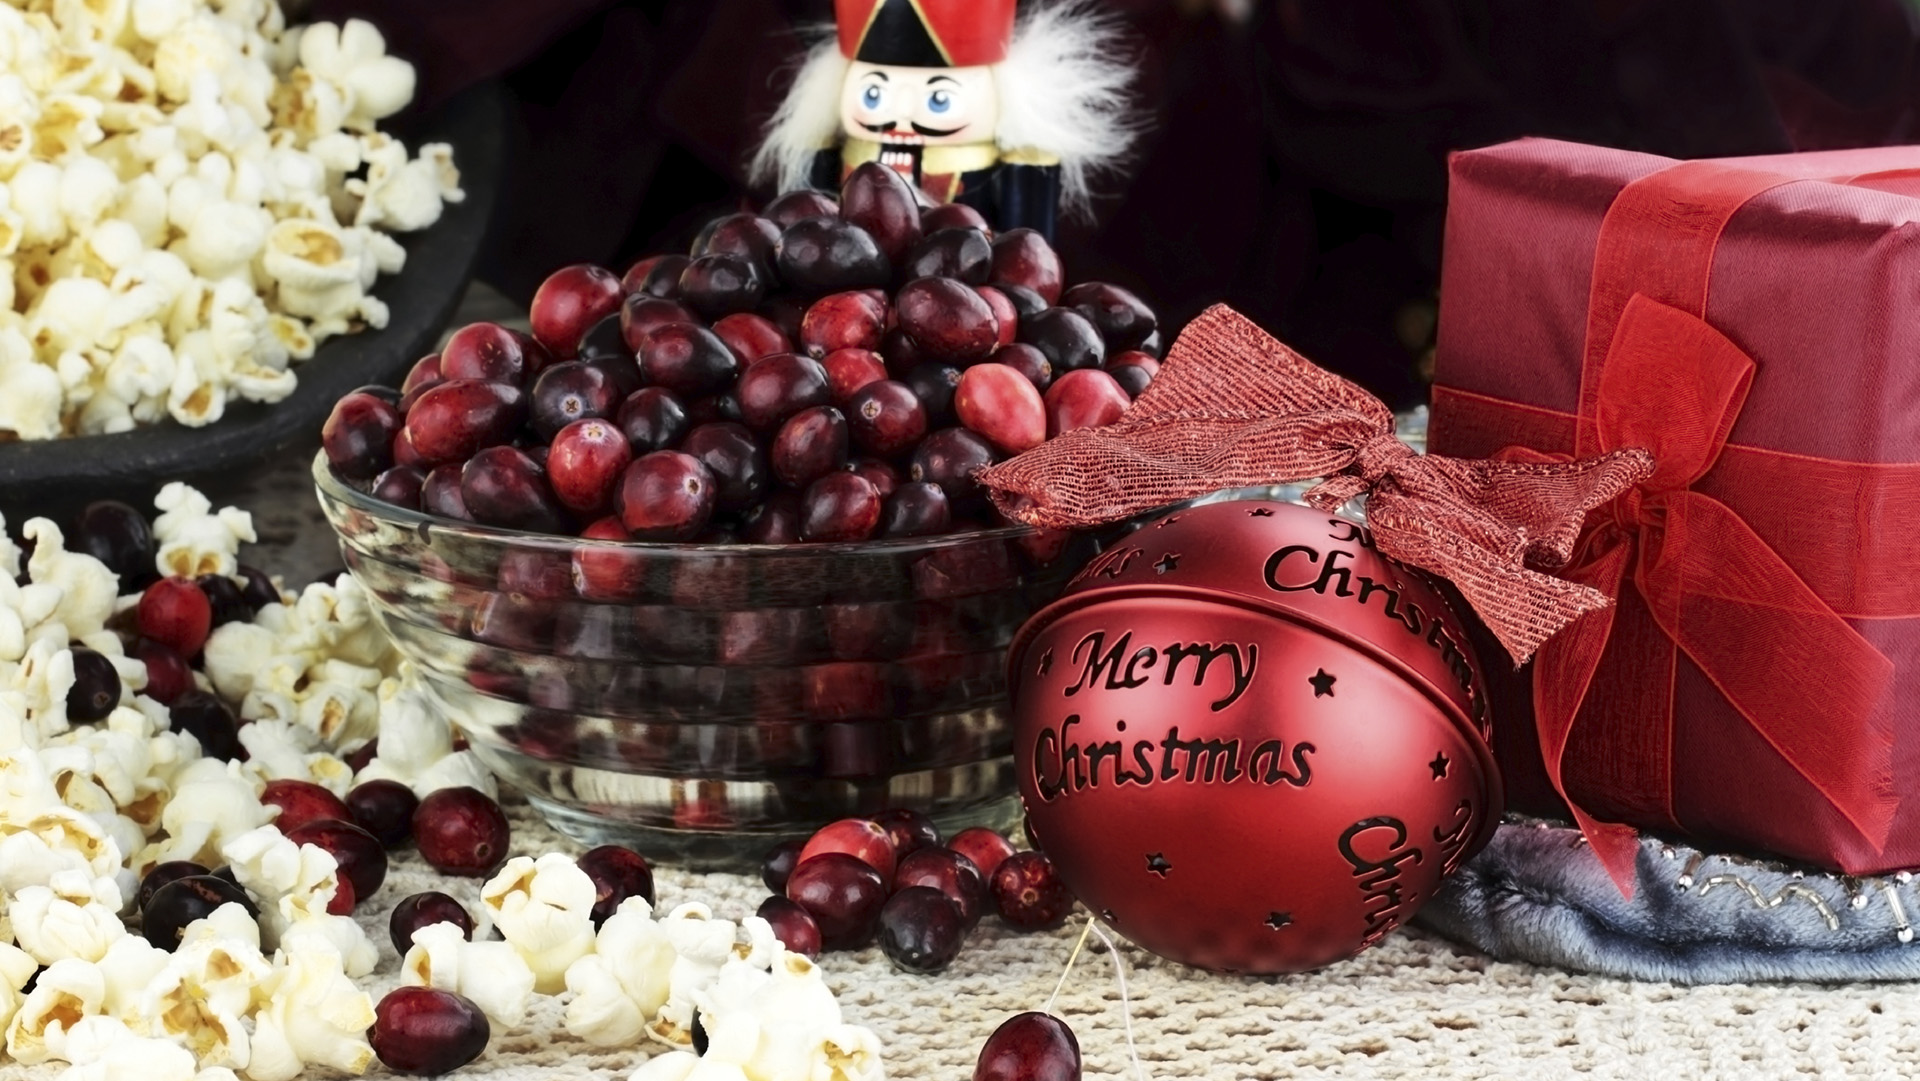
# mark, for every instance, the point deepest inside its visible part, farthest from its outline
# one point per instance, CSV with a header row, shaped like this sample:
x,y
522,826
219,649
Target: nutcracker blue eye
x,y
940,101
871,97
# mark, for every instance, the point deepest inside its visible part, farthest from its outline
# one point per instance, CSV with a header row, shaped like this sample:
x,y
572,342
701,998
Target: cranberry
x,y
848,370
884,478
641,315
839,508
950,873
440,494
175,613
738,464
886,418
568,392
751,337
665,495
1023,257
358,436
842,894
399,486
96,686
779,386
687,359
460,831
909,830
921,930
899,352
168,676
226,597
792,925
1030,1047
359,854
1001,404
652,419
934,384
1123,319
209,721
826,255
779,863
504,486
606,572
364,756
178,903
423,1030
618,873
964,254
811,444
485,351
721,285
1133,370
853,320
1087,398
1028,361
952,216
748,236
658,276
301,802
947,320
1026,303
384,809
539,358
1066,337
404,453
777,521
585,462
171,871
950,457
983,846
1005,315
862,838
424,373
568,302
798,206
457,419
118,536
259,590
1029,893
425,910
879,200
916,509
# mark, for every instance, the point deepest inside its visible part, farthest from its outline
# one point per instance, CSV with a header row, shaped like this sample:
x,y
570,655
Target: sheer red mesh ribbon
x,y
1232,407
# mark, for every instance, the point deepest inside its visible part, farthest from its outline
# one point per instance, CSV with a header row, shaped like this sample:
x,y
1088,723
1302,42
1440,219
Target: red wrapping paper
x,y
1798,353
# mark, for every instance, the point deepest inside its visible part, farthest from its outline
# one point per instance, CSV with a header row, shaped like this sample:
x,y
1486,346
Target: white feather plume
x,y
1066,90
807,122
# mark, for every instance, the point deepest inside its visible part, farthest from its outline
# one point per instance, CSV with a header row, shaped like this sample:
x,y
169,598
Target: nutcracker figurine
x,y
1012,118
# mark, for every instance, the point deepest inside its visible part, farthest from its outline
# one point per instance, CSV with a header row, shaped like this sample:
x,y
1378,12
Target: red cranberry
x,y
171,871
168,676
1087,398
963,254
96,686
568,392
177,904
665,495
687,359
487,352
827,255
399,486
208,720
848,370
811,444
641,315
1069,341
1005,315
952,216
947,320
1001,404
618,873
404,453
779,386
604,572
751,337
364,756
798,206
1028,361
916,509
1134,371
862,838
983,846
934,384
950,457
852,320
1030,1047
792,925
358,436
440,494
424,373
779,863
657,276
301,802
842,894
423,1030
921,930
721,285
457,419
460,831
777,521
360,854
1029,893
384,809
909,830
652,419
950,873
884,478
177,614
1023,257
568,302
503,486
585,463
425,910
879,200
886,418
839,508
1123,319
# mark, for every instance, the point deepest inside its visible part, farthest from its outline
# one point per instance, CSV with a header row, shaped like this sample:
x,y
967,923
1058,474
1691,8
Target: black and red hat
x,y
926,33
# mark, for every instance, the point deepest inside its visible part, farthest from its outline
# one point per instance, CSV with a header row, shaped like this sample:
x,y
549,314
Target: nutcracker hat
x,y
926,33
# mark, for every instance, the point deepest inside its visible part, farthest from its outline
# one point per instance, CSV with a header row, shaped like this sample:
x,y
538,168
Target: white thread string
x,y
1126,1007
1065,972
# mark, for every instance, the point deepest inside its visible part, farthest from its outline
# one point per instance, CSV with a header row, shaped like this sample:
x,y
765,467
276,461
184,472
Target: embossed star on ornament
x,y
1167,562
1279,921
1046,662
1260,512
1439,765
1157,863
1322,683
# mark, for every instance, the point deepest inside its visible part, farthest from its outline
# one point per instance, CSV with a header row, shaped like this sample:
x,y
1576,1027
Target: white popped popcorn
x,y
544,909
492,974
621,986
193,539
313,1015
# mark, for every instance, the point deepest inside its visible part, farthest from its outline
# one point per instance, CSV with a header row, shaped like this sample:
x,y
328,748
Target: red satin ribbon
x,y
1657,376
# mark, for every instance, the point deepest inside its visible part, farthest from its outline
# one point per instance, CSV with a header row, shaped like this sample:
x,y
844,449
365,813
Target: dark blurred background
x,y
1297,167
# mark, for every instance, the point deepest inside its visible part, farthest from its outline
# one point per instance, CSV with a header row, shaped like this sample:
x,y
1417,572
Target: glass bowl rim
x,y
333,488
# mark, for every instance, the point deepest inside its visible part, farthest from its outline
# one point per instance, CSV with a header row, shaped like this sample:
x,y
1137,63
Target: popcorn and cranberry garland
x,y
193,196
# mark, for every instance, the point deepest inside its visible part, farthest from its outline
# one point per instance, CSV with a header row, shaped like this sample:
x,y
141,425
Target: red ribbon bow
x,y
1232,407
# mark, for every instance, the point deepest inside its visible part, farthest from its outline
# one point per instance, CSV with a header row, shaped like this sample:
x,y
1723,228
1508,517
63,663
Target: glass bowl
x,y
703,702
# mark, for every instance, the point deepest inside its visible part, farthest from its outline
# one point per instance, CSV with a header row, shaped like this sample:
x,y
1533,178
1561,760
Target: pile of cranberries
x,y
820,372
890,878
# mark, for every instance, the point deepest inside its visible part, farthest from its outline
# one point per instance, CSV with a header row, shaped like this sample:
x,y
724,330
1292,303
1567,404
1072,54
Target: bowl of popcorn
x,y
701,564
206,238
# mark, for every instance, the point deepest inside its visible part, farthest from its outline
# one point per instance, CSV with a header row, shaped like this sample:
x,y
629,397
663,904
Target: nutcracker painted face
x,y
921,73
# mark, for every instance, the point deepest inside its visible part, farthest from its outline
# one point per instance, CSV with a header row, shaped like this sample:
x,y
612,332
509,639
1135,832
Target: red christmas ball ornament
x,y
1251,742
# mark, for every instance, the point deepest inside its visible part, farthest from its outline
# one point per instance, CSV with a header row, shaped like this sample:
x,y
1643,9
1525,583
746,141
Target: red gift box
x,y
1756,324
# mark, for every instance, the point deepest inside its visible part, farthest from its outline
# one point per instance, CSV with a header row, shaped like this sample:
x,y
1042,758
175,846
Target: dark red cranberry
x,y
358,436
1023,257
884,478
1069,341
886,418
259,589
777,387
862,838
1030,1047
798,206
363,757
403,449
209,721
440,494
1002,405
569,392
1005,316
785,312
934,384
1123,319
504,486
777,521
385,809
171,871
850,369
950,873
952,216
963,254
657,276
687,359
792,925
1028,361
457,419
950,457
1026,303
539,358
425,910
921,930
568,302
748,236
811,444
1134,371
751,337
839,508
947,320
1029,893
899,352
853,320
424,373
720,285
826,255
909,830
301,802
739,466
487,352
652,419
360,854
641,315
460,831
1087,398
665,496
168,676
585,463
178,903
986,848
605,340
423,1030
96,686
175,613
399,487
118,536
229,601
618,873
779,863
843,895
879,200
